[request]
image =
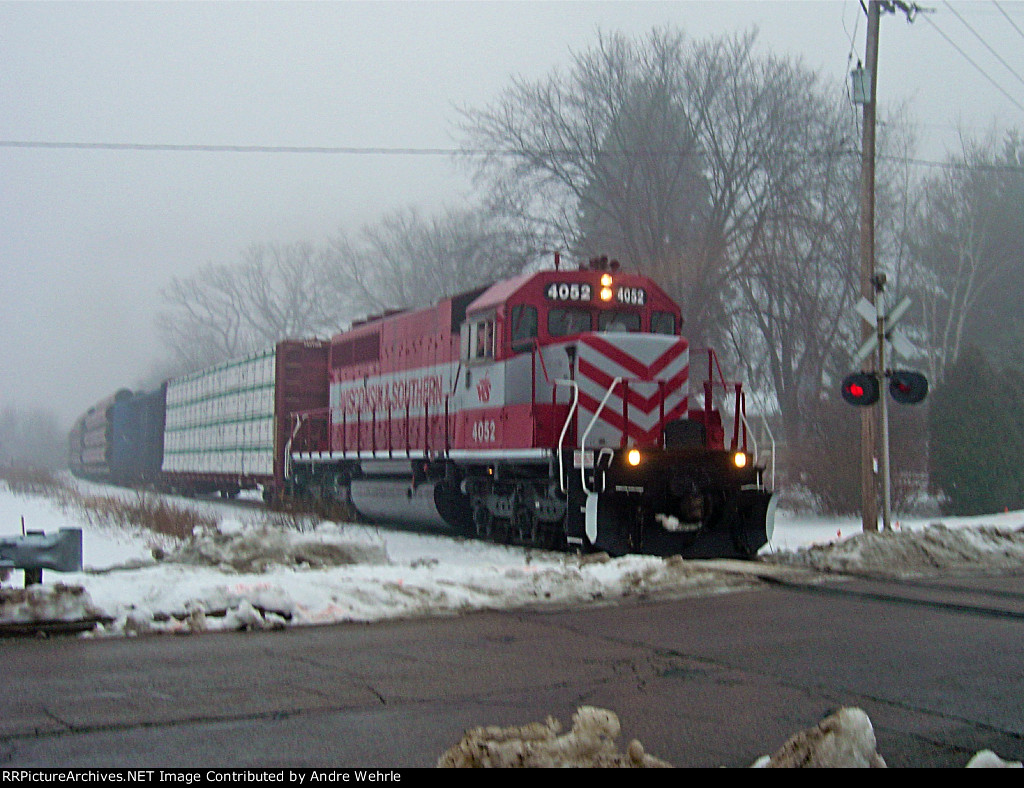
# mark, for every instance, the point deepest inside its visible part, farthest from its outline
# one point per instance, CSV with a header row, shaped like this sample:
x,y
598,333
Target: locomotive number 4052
x,y
566,291
483,431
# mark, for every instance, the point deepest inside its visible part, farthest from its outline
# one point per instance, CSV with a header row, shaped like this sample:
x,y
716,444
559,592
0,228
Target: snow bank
x,y
254,571
590,744
936,547
58,603
843,740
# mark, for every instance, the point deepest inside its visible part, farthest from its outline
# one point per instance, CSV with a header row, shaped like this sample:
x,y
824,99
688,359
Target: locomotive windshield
x,y
618,321
563,321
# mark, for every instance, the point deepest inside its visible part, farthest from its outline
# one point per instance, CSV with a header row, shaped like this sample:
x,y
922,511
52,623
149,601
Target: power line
x,y
1008,19
385,151
985,43
976,66
137,146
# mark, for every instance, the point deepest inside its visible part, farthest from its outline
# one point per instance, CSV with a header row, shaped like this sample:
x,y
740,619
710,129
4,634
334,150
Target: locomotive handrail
x,y
753,440
586,432
565,427
721,381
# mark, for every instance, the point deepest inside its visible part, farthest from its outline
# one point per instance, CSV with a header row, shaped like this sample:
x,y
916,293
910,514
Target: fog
x,y
89,236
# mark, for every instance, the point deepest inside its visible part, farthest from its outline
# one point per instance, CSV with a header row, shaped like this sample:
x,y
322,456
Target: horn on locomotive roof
x,y
601,264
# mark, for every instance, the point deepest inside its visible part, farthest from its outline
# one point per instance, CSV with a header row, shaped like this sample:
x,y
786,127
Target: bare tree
x,y
968,240
603,159
799,278
669,154
275,292
406,260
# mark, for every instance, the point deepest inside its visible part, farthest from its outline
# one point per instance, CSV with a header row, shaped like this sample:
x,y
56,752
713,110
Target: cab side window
x,y
478,342
524,327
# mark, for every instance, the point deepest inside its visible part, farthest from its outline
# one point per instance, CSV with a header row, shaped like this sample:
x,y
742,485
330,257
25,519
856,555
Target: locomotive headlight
x,y
633,457
606,294
739,459
606,280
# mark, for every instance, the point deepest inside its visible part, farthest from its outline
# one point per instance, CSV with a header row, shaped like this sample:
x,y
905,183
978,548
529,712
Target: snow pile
x,y
844,740
250,579
590,744
986,759
235,548
46,603
931,549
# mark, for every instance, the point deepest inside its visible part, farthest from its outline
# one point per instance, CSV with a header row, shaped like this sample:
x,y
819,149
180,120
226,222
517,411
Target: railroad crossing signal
x,y
860,388
886,328
906,387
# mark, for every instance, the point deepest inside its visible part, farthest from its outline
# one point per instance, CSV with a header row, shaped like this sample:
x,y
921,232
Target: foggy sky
x,y
88,237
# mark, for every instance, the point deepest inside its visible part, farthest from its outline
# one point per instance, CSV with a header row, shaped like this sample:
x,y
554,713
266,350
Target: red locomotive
x,y
552,409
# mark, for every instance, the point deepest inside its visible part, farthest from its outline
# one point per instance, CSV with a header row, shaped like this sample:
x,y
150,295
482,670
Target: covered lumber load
x,y
227,426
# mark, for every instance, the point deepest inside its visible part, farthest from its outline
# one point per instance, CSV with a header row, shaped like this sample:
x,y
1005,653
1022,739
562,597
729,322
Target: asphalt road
x,y
702,682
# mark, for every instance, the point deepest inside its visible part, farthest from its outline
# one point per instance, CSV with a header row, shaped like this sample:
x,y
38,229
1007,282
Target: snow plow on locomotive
x,y
552,409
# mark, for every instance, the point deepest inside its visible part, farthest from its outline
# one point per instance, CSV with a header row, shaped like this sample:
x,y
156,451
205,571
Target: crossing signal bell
x,y
861,389
907,388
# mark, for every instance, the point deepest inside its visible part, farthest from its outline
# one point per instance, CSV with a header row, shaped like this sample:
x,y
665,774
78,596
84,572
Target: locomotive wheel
x,y
524,526
501,530
483,521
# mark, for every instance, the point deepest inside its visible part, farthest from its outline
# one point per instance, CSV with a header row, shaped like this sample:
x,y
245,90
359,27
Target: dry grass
x,y
32,481
304,515
144,511
138,509
155,513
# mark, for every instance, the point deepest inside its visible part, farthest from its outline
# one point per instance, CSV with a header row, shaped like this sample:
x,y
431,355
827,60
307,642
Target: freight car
x,y
97,441
551,409
219,430
226,427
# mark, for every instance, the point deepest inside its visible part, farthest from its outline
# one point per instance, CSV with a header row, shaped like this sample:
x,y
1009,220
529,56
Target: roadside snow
x,y
250,572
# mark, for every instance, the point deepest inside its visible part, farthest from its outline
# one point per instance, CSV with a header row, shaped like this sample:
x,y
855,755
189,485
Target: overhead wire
x,y
137,146
970,60
1008,19
411,151
985,43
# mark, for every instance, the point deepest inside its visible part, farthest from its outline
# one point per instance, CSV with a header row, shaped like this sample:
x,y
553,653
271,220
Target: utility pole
x,y
870,282
869,421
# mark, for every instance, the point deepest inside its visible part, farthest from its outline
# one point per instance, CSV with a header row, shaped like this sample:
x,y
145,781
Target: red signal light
x,y
860,388
908,388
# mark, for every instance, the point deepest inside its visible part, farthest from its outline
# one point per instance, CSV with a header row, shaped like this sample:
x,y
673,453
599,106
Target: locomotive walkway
x,y
701,681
